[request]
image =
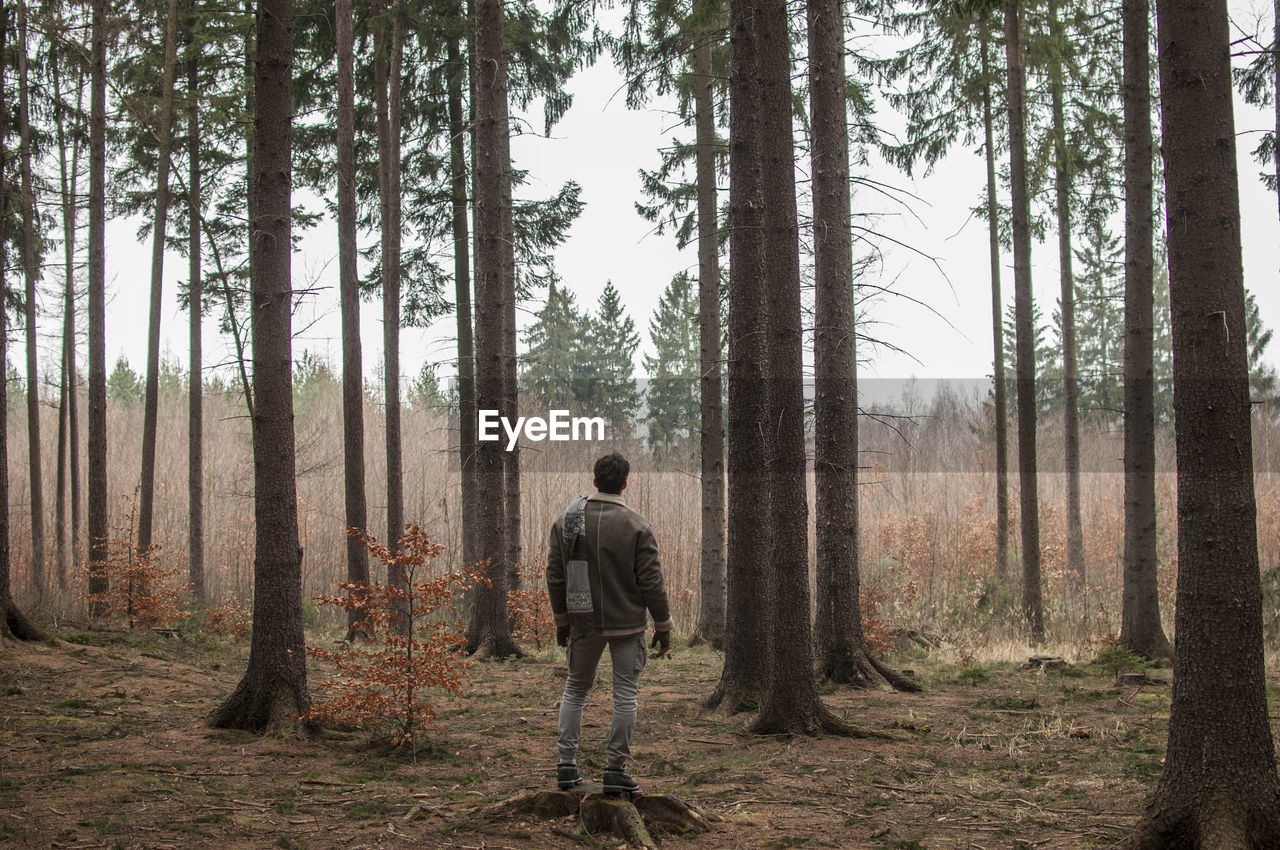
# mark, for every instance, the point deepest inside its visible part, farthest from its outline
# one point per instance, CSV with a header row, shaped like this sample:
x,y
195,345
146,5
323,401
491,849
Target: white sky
x,y
601,144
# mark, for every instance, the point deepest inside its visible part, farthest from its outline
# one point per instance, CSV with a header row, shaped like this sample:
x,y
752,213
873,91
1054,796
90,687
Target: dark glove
x,y
662,642
562,635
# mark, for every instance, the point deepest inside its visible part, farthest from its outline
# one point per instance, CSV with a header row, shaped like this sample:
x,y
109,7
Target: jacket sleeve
x,y
555,576
649,578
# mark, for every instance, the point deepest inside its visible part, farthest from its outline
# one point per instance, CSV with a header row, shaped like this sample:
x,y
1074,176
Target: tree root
x,y
1215,822
730,699
16,625
493,647
269,706
860,669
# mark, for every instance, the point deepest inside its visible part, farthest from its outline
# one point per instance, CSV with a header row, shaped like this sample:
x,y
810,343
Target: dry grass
x,y
927,510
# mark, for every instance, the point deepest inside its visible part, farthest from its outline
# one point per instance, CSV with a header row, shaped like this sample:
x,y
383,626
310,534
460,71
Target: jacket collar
x,y
615,498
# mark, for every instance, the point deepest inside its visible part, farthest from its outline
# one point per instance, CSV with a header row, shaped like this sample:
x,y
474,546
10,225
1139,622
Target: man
x,y
603,575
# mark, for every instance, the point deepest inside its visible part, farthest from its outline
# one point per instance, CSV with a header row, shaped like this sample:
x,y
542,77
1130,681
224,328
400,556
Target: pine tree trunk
x,y
97,425
1070,384
349,284
67,384
1032,604
31,273
489,632
842,651
511,392
467,424
997,318
164,135
387,70
13,623
742,679
1219,786
195,387
274,688
1140,627
711,613
790,702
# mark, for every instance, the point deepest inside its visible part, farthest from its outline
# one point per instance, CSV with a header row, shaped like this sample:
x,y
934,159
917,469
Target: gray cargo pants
x,y
583,654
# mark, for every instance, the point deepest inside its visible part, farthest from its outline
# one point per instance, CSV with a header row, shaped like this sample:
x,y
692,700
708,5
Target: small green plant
x,y
1117,658
975,675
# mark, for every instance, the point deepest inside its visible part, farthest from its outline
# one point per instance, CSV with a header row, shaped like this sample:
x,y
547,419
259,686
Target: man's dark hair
x,y
611,473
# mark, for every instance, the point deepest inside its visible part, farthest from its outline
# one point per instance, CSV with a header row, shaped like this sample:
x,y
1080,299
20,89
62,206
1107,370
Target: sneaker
x,y
567,776
617,781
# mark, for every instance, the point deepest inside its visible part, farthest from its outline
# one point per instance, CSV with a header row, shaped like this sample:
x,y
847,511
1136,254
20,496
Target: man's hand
x,y
562,635
662,642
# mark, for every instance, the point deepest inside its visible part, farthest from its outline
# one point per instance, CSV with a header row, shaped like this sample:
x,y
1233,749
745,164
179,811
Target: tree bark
x,y
1032,604
13,623
68,445
489,632
164,137
1219,786
97,426
467,424
1062,168
997,316
274,688
841,648
31,274
790,702
742,677
711,611
387,70
195,287
1140,627
349,285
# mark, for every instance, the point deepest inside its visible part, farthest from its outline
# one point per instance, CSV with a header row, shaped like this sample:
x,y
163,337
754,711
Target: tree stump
x,y
633,819
599,815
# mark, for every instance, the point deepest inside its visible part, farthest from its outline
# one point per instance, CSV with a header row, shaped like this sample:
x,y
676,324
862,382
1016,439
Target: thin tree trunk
x,y
1032,604
1219,786
1275,67
489,632
237,335
13,623
790,702
66,387
164,137
511,393
997,317
31,273
97,426
841,648
748,505
711,613
1070,385
195,389
274,688
349,283
467,424
1140,627
387,72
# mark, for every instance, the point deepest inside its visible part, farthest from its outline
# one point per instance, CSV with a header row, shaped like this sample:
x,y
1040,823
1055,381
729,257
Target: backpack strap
x,y
573,524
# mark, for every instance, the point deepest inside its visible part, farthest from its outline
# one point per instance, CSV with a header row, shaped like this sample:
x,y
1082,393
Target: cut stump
x,y
633,819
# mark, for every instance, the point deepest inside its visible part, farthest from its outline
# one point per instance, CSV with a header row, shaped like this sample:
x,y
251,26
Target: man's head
x,y
611,473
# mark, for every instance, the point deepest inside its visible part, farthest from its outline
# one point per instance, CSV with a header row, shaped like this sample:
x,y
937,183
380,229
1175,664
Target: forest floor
x,y
102,745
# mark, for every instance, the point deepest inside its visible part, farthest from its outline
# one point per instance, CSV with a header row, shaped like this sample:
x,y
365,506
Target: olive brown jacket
x,y
623,568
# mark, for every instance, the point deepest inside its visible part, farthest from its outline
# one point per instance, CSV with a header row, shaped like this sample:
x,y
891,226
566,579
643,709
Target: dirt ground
x,y
103,745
